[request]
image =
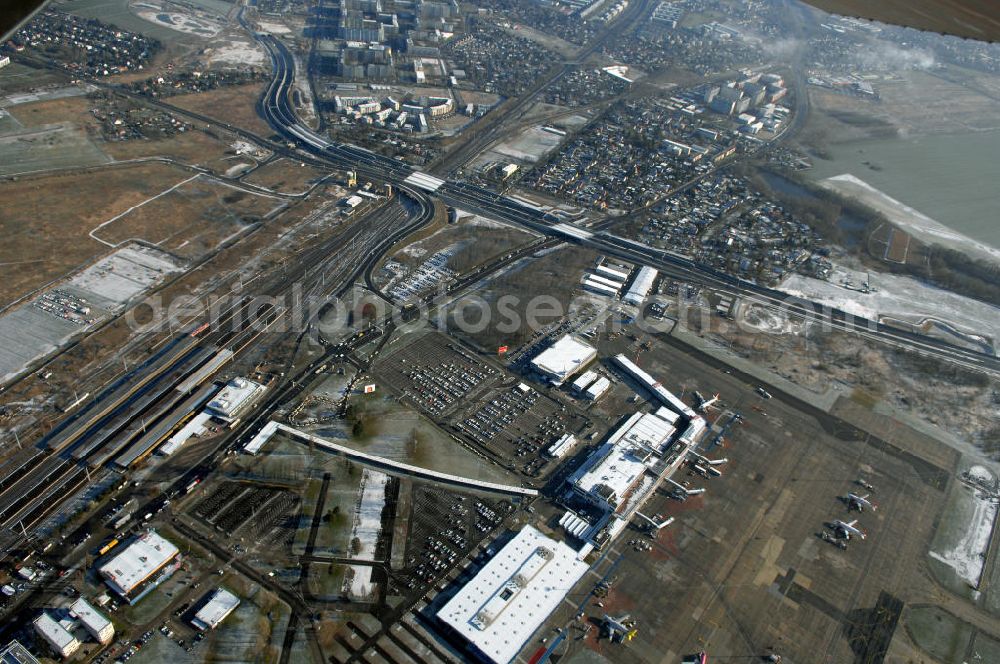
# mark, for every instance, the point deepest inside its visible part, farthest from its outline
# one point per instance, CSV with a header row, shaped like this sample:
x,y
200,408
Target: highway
x,y
278,111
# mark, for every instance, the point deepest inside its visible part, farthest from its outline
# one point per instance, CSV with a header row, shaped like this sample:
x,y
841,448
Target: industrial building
x,y
562,447
498,610
62,642
236,398
611,273
598,388
15,653
220,604
95,622
564,358
590,284
585,380
128,572
640,287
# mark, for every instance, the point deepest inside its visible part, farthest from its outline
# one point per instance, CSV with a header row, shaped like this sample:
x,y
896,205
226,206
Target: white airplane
x,y
704,405
655,523
846,530
854,501
620,629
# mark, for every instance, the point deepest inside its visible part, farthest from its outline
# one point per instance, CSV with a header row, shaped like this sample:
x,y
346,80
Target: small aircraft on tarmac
x,y
848,529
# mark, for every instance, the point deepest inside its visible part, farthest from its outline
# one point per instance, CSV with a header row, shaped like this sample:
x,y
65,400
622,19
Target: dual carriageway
x,y
280,114
112,429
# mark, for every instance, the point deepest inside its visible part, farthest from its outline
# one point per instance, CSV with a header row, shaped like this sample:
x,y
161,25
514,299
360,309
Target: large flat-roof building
x,y
499,609
563,359
128,572
641,286
95,622
62,642
220,604
614,482
612,473
235,399
15,653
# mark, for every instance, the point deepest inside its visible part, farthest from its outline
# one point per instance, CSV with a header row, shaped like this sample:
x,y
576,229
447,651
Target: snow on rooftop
x,y
640,286
221,604
663,395
54,632
564,358
234,396
95,621
584,381
615,468
261,438
502,606
195,427
137,562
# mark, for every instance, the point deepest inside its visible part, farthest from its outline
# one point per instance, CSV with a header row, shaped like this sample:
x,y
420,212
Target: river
x,y
951,178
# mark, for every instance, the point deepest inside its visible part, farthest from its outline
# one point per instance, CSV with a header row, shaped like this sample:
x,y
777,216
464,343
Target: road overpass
x,y
277,109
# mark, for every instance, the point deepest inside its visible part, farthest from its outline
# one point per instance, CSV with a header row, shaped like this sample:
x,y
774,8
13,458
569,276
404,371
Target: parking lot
x,y
434,375
445,526
517,424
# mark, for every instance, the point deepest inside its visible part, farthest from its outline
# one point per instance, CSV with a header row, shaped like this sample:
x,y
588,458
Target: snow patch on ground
x,y
981,473
274,28
899,298
306,108
366,529
236,53
769,321
414,250
191,25
482,222
969,553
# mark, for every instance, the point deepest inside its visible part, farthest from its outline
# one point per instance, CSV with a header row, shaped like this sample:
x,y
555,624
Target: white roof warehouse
x,y
220,605
513,594
563,359
137,562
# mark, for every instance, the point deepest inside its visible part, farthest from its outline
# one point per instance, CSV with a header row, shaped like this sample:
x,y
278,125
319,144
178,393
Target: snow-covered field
x,y
274,28
366,529
236,53
968,554
899,298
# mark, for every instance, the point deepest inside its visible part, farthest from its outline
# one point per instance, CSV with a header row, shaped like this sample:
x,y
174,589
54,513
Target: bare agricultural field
x,y
46,148
54,235
75,109
235,105
48,233
194,148
286,176
189,219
